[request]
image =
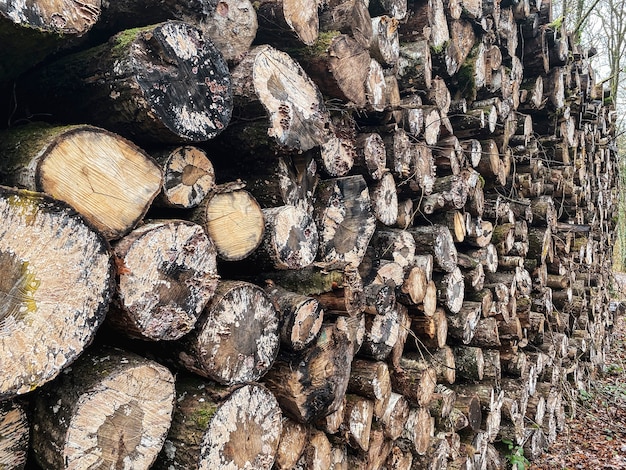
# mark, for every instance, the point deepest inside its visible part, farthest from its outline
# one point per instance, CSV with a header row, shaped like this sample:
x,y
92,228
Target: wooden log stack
x,y
298,235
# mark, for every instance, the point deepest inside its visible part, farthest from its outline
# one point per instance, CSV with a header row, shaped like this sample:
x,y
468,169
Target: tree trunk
x,y
166,272
221,348
339,65
113,408
217,427
282,21
55,290
292,442
301,317
106,178
123,85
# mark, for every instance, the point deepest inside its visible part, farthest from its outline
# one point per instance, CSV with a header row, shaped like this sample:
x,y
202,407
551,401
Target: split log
x,y
470,363
317,453
111,407
166,272
415,379
419,430
188,176
436,240
462,325
395,416
41,238
381,335
337,287
215,427
348,17
106,178
414,66
312,383
450,289
236,337
384,45
358,421
15,429
371,158
122,86
269,82
432,331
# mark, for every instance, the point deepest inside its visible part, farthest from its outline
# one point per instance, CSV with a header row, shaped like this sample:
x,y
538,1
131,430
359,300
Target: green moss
x,y
439,49
203,416
319,48
121,40
17,288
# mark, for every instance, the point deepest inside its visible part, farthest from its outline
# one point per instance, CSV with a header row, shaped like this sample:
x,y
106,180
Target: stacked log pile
x,y
298,234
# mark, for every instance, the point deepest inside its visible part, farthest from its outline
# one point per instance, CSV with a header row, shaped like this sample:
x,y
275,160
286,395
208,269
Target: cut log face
x,y
218,427
167,273
15,431
232,27
344,218
39,239
112,408
236,338
189,99
291,240
188,177
294,105
234,221
106,178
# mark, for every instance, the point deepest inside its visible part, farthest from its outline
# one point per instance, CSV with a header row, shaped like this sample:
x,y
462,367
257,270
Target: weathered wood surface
x,y
455,160
112,407
161,83
57,310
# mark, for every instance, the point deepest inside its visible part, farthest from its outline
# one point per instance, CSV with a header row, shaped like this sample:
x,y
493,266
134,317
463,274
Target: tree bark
x,y
112,408
106,178
56,288
123,85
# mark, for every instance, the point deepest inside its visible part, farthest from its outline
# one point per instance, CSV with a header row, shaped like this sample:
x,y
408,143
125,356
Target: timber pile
x,y
298,234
